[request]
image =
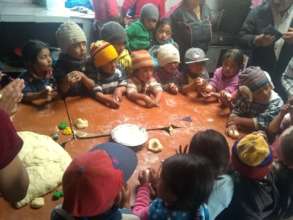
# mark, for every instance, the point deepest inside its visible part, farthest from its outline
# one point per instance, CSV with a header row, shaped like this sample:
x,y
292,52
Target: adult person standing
x,y
191,25
258,36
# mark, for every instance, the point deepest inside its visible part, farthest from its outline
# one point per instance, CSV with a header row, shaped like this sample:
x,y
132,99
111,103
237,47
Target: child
x,y
255,194
114,33
71,66
93,181
38,80
163,35
184,186
287,79
213,146
224,84
139,33
143,88
197,74
169,76
256,103
109,79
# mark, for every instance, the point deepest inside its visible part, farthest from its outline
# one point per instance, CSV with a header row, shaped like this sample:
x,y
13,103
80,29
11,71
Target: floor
x,y
173,110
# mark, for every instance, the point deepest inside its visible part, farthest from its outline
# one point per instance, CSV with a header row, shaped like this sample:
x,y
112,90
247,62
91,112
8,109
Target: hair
x,y
212,145
190,178
236,55
162,22
31,50
286,146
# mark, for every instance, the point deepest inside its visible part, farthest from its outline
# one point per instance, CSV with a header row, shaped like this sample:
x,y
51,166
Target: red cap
x,y
91,184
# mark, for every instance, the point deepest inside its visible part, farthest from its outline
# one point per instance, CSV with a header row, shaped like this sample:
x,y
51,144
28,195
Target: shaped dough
x,y
81,123
155,145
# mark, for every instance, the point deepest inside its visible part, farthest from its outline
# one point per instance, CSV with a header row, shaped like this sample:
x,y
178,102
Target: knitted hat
x,y
69,33
140,59
90,184
102,53
113,32
168,53
195,55
149,11
252,157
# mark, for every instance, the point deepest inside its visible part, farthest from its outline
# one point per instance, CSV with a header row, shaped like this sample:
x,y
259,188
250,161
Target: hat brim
x,y
122,157
197,61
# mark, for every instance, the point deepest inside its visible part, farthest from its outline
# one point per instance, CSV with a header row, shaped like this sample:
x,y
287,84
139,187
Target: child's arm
x,y
118,93
141,99
275,125
69,80
87,82
248,123
106,100
44,94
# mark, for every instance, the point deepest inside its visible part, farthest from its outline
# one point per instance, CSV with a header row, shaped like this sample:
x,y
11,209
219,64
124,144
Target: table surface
x,y
171,111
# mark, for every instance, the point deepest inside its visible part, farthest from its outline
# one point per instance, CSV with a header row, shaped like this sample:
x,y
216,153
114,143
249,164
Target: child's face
x,y
145,74
119,47
109,68
171,67
150,24
263,95
196,67
43,64
78,50
164,33
230,68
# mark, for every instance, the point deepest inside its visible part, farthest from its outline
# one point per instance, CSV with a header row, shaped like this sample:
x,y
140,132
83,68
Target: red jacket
x,y
127,4
106,10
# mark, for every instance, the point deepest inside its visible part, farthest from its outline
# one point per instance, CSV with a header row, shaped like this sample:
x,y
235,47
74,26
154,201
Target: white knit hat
x,y
168,53
69,33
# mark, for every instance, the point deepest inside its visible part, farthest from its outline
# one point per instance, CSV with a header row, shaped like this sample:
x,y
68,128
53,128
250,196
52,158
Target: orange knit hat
x,y
102,53
140,59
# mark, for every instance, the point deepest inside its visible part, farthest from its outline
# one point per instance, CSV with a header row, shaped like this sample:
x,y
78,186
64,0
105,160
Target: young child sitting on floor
x,y
287,79
163,35
140,32
255,194
256,103
70,69
168,75
224,83
213,146
92,184
113,33
108,78
142,87
38,79
184,185
197,73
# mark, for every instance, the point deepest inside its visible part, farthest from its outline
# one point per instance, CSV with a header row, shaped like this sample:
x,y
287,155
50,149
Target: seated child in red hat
x,y
197,74
142,87
184,185
168,74
70,69
38,79
213,146
92,184
255,194
256,103
108,78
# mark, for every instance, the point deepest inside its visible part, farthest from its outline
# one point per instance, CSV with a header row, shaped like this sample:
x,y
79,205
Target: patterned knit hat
x,y
252,157
113,32
69,33
149,11
140,59
168,53
102,53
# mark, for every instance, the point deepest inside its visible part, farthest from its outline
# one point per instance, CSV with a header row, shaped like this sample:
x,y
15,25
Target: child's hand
x,y
117,95
199,82
147,176
149,102
74,77
111,103
225,98
172,88
284,109
233,120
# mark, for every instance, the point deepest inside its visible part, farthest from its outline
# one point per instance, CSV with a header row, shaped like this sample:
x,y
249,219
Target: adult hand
x,y
288,36
263,40
11,95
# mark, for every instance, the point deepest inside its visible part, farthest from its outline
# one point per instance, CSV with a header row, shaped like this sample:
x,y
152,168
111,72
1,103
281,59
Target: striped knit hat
x,y
69,33
252,156
140,59
254,78
102,53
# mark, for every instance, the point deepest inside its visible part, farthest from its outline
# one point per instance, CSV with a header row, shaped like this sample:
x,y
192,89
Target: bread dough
x,y
67,131
81,123
45,162
155,145
233,132
38,203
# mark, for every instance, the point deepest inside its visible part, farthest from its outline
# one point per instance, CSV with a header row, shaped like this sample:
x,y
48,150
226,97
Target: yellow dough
x,y
45,162
81,123
38,203
155,145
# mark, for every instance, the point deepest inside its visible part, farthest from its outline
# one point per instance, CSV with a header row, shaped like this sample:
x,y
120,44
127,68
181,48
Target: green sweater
x,y
138,36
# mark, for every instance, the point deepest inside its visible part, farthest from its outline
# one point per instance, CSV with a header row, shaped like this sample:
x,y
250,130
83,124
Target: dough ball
x,y
155,145
38,203
81,123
